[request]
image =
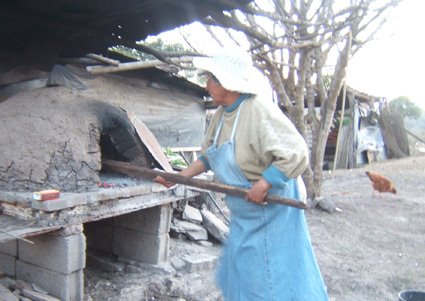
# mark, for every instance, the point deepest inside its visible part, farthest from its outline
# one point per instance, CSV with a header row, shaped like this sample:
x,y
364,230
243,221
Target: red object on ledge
x,y
45,195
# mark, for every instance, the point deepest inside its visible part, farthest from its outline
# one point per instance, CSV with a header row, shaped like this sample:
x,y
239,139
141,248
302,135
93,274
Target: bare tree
x,y
294,43
303,47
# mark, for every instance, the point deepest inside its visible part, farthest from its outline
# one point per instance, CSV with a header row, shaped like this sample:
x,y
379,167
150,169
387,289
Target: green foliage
x,y
129,52
174,158
170,47
327,79
405,107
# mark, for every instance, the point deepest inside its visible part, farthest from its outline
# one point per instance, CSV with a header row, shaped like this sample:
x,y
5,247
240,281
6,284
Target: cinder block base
x,y
64,254
66,287
140,246
155,220
143,235
55,262
8,253
10,247
8,264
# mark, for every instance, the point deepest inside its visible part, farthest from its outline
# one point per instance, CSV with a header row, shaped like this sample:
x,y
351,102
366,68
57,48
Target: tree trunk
x,y
327,113
392,128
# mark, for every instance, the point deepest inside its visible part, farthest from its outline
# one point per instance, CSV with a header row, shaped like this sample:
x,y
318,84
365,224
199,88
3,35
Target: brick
x,y
55,252
66,287
140,246
65,201
44,195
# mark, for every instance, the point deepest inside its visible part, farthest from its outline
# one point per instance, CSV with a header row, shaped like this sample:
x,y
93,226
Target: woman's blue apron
x,y
268,254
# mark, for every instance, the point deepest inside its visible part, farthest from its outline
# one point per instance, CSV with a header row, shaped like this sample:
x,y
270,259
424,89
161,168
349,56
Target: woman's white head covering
x,y
234,70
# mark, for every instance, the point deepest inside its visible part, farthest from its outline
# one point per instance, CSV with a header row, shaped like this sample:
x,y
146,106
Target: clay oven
x,y
57,137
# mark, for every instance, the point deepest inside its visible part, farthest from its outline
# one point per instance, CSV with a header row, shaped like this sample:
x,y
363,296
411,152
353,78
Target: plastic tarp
x,y
370,140
175,117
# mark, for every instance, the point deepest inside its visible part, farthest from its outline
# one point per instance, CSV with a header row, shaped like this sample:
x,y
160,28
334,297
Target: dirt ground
x,y
371,249
375,247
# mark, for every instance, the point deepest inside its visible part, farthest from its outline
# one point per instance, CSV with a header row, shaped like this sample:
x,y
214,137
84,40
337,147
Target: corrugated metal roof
x,y
39,31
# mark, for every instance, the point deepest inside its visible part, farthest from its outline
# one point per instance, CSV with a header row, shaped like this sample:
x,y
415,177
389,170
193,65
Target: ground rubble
x,y
18,290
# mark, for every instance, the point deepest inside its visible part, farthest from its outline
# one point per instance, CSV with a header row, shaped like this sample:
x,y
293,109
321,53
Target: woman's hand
x,y
161,180
258,191
193,169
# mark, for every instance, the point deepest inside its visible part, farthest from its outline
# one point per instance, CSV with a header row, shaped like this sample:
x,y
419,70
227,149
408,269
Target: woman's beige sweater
x,y
264,136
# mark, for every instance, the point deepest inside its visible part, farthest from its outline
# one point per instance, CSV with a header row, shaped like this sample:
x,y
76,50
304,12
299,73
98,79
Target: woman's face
x,y
216,90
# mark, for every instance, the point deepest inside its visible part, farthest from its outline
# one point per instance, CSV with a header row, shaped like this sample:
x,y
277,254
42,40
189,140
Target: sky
x,y
393,65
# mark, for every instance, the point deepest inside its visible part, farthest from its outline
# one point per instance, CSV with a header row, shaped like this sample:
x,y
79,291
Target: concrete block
x,y
215,226
112,193
70,230
155,220
158,187
140,246
124,193
8,264
199,262
103,195
98,196
66,287
99,236
191,230
192,214
139,189
55,252
10,247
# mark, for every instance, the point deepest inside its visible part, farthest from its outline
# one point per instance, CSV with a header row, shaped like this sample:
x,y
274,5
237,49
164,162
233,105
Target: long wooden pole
x,y
134,65
137,171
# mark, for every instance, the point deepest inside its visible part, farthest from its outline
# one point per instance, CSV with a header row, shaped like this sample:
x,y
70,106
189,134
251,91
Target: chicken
x,y
380,183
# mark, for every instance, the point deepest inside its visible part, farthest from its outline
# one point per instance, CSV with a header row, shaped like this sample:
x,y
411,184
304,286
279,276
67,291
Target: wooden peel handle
x,y
137,171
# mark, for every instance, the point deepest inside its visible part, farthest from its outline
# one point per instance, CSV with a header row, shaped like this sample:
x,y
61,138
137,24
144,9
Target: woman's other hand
x,y
258,191
161,180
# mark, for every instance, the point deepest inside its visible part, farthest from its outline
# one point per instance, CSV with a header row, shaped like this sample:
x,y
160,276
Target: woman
x,y
251,144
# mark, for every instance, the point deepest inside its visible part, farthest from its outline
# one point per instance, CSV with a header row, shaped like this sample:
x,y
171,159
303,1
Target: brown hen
x,y
380,183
